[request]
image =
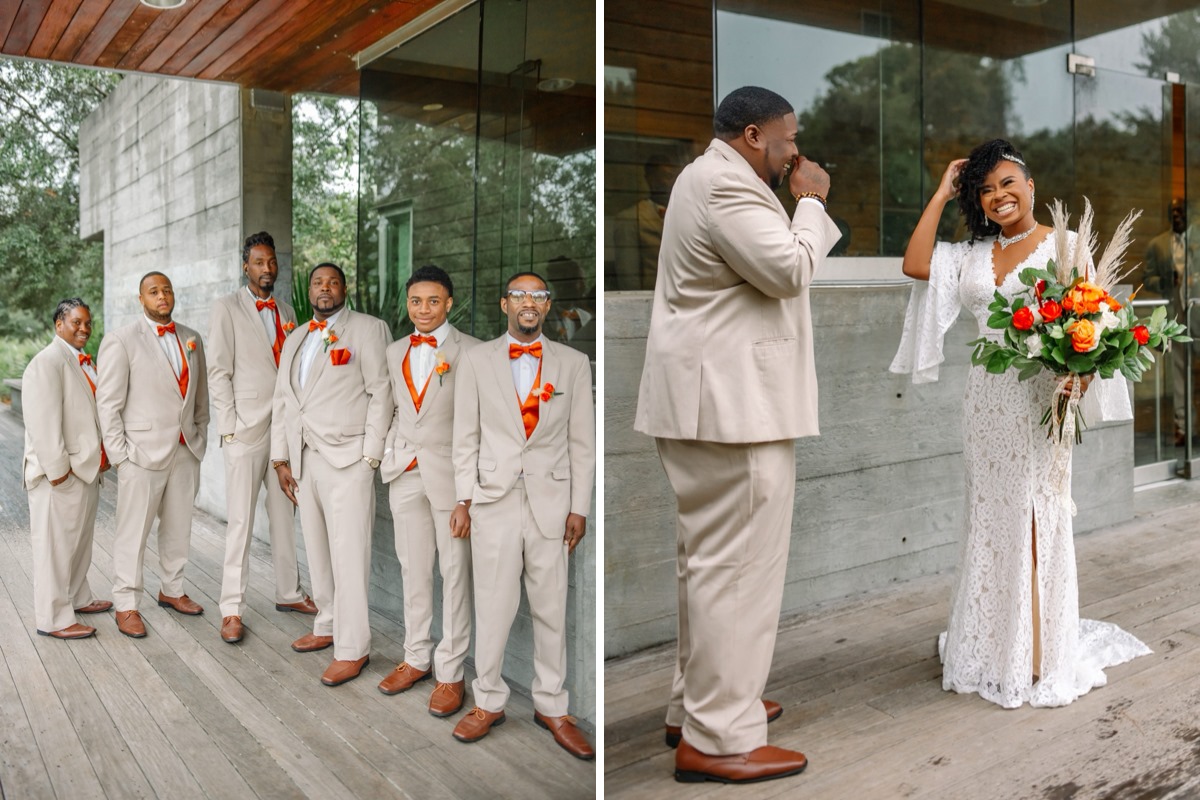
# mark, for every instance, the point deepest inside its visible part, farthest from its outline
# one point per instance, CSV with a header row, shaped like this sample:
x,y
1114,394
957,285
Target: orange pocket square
x,y
339,356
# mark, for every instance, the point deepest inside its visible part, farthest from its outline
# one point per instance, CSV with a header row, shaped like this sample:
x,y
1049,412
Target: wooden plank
x,y
54,23
129,34
25,25
252,39
78,29
174,53
105,30
179,32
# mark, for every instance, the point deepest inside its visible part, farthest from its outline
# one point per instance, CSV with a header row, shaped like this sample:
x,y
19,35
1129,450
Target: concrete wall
x,y
880,495
173,176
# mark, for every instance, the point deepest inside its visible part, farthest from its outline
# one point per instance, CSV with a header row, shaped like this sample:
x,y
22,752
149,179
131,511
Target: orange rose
x,y
1022,318
1050,311
289,326
1083,336
1084,298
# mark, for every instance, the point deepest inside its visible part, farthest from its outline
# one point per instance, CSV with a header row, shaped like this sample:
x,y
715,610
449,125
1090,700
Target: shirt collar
x,y
256,298
441,333
511,340
153,325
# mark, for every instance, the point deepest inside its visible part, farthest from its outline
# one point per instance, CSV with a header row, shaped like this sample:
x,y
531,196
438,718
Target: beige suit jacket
x,y
62,430
137,398
241,366
490,448
426,435
729,356
343,412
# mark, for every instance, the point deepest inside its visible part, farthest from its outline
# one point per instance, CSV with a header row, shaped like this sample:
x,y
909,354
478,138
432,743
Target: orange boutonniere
x,y
191,344
442,366
289,326
548,392
329,337
339,356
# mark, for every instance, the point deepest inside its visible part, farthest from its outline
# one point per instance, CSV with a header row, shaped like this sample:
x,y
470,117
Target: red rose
x,y
1023,318
1140,334
1051,311
1038,288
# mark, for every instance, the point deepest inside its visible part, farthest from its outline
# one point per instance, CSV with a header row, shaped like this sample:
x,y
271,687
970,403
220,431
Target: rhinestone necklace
x,y
1005,241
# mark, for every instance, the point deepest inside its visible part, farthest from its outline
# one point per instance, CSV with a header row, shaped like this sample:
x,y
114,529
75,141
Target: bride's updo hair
x,y
983,160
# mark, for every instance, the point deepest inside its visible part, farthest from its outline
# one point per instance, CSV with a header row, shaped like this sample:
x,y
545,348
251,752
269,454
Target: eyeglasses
x,y
519,295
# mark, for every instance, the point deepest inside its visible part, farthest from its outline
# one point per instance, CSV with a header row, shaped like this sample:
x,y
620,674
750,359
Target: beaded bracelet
x,y
814,195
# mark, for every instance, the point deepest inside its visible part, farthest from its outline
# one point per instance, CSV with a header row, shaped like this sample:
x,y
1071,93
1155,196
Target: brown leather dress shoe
x,y
94,607
130,623
305,606
447,698
310,643
231,629
402,678
183,604
341,671
567,734
675,732
763,764
74,631
476,724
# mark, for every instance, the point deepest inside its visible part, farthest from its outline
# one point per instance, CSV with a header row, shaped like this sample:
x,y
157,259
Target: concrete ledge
x,y
14,390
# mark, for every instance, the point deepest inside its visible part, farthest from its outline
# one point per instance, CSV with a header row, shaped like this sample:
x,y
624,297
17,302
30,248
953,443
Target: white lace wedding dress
x,y
1010,482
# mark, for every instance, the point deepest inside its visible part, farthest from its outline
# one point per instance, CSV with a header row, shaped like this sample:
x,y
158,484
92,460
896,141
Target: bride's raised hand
x,y
946,190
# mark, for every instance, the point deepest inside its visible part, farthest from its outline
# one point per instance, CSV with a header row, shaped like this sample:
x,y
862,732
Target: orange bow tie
x,y
84,358
166,329
259,305
314,325
415,339
518,350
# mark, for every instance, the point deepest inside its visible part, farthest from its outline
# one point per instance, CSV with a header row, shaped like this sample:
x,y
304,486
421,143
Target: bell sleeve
x,y
1107,400
933,308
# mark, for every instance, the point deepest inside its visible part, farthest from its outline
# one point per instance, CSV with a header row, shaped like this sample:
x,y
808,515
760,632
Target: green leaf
x,y
1080,363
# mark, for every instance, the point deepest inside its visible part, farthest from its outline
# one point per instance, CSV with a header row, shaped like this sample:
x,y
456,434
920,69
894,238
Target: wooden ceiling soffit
x,y
281,45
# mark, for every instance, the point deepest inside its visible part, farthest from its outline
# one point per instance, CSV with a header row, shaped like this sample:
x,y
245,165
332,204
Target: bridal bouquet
x,y
1068,323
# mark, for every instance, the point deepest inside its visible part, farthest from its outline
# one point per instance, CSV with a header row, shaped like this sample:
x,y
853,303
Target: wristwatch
x,y
227,438
373,463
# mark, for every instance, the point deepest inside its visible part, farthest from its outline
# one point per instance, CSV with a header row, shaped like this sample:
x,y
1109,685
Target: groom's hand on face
x,y
808,176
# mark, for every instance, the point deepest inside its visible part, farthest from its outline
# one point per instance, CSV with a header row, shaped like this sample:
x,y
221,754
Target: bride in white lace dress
x,y
1015,635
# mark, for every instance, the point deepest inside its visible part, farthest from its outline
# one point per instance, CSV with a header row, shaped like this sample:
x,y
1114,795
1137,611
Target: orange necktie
x,y
277,347
518,350
415,339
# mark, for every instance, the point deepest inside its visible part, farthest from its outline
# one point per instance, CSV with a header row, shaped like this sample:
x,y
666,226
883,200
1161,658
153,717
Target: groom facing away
x,y
728,385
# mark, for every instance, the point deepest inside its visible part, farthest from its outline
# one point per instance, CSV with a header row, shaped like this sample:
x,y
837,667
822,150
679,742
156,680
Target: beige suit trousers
x,y
506,546
337,515
247,468
423,532
142,495
733,531
62,519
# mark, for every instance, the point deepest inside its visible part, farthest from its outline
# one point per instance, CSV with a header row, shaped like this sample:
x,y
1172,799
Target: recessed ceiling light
x,y
555,84
163,5
432,107
1018,3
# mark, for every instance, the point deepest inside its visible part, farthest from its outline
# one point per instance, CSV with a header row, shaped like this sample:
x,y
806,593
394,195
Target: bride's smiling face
x,y
1006,194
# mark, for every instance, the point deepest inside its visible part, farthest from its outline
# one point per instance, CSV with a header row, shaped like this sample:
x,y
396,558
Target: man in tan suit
x,y
524,461
248,330
62,465
152,400
331,413
417,467
728,384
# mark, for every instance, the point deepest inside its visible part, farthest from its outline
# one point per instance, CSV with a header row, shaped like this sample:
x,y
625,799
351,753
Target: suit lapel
x,y
149,342
502,372
321,360
69,356
449,351
246,303
550,376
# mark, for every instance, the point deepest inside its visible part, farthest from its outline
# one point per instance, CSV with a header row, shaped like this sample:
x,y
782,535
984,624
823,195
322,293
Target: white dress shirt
x,y
423,358
314,343
170,345
525,368
267,315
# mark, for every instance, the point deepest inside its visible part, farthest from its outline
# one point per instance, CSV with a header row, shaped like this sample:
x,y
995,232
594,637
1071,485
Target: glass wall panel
x,y
479,155
852,70
658,107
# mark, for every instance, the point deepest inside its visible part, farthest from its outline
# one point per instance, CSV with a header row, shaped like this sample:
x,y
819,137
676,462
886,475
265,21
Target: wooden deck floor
x,y
861,686
180,714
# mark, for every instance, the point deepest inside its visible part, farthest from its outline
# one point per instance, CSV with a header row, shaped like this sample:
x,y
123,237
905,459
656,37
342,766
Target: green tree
x,y
324,187
42,258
